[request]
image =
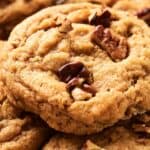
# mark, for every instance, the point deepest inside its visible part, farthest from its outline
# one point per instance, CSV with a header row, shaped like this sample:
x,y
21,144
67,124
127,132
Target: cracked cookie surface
x,y
22,134
77,73
18,130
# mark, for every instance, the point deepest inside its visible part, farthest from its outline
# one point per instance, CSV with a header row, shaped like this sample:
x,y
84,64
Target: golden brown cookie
x,y
18,130
118,137
80,67
22,134
140,8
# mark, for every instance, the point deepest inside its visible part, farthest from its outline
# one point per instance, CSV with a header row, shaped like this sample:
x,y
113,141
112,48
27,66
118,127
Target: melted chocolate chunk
x,y
144,14
116,48
73,83
90,89
75,74
103,19
70,71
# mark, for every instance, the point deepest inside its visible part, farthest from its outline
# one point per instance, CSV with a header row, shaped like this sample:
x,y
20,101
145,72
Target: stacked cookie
x,y
82,69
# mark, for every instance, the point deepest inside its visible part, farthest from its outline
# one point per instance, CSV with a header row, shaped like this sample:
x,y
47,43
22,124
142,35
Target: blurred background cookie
x,y
14,11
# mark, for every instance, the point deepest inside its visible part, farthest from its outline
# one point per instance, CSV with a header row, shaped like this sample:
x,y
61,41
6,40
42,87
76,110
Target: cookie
x,y
80,67
106,2
115,138
14,11
137,7
7,111
21,134
18,130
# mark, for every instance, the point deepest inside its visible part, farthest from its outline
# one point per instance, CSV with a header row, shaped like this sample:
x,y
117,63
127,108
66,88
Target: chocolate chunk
x,y
76,75
103,19
89,88
75,69
144,14
85,73
116,48
69,71
74,82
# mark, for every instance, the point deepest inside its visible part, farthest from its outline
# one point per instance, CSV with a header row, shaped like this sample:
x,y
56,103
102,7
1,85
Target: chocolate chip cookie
x,y
18,130
21,134
137,7
80,67
118,137
14,11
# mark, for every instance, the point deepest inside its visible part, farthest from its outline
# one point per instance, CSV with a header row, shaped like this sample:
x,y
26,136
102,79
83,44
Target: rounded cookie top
x,y
22,134
14,11
137,7
119,137
18,130
81,67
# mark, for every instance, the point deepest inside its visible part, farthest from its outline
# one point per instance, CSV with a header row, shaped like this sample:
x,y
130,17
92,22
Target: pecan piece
x,y
65,27
144,14
103,19
116,48
89,145
89,88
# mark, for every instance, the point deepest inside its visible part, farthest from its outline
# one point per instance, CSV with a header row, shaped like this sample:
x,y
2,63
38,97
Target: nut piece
x,y
103,19
89,88
116,48
144,14
65,27
75,82
80,95
91,146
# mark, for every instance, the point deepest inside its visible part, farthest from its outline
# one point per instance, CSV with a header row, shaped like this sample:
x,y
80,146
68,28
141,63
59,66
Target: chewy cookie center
x,y
79,80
